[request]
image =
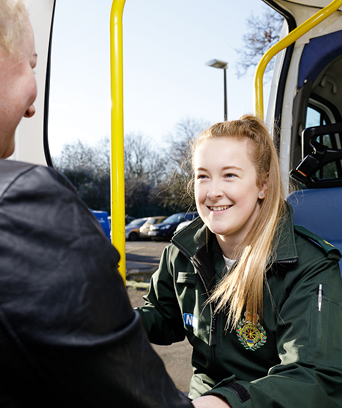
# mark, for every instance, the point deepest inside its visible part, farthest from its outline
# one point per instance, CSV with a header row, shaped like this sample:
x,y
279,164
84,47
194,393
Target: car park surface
x,y
142,257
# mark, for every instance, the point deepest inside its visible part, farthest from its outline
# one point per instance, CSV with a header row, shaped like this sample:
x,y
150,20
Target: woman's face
x,y
226,191
18,89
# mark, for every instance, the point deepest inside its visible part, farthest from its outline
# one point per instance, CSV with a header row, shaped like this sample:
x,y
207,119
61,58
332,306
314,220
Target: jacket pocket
x,y
189,278
325,334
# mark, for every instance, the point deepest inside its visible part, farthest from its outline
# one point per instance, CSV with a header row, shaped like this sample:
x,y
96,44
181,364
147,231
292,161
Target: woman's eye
x,y
229,175
201,176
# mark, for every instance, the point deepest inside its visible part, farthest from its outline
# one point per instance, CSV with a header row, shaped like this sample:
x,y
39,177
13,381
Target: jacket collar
x,y
196,235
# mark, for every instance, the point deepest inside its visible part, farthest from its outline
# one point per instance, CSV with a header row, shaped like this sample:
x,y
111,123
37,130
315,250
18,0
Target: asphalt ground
x,y
142,259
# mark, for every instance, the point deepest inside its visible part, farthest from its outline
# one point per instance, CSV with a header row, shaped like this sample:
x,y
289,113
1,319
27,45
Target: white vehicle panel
x,y
29,145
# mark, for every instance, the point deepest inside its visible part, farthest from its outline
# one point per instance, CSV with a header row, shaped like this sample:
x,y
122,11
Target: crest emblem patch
x,y
250,332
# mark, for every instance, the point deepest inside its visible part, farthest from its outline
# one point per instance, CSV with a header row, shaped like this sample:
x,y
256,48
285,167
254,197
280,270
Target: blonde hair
x,y
13,17
243,285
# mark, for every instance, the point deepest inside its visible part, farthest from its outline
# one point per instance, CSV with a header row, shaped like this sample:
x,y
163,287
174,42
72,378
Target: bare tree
x,y
144,170
74,156
79,155
174,190
88,169
153,177
102,155
263,32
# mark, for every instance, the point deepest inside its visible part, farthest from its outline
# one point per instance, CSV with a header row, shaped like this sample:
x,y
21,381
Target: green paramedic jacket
x,y
292,358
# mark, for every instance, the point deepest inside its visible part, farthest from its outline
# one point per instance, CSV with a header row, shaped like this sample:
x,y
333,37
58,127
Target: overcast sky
x,y
166,46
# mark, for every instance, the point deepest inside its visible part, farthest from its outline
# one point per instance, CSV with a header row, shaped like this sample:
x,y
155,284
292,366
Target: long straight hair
x,y
243,286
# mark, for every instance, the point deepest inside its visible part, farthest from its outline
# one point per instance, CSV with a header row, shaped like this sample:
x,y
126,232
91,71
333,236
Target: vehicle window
x,y
136,223
320,115
315,117
173,218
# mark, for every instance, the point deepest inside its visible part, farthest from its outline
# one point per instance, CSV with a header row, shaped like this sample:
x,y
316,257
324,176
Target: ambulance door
x,y
308,87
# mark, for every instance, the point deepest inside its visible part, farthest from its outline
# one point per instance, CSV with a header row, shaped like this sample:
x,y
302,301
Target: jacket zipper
x,y
213,328
213,339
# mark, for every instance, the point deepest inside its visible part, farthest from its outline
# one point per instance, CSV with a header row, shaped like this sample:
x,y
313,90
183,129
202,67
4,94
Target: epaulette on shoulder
x,y
331,251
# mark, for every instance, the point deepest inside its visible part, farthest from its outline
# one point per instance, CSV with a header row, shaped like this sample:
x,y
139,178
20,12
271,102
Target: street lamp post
x,y
215,63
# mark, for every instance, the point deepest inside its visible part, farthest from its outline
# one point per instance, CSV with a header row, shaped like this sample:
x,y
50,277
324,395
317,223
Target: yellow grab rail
x,y
285,42
117,134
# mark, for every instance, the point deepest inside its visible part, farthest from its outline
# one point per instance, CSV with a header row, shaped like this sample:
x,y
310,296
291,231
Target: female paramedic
x,y
259,299
68,335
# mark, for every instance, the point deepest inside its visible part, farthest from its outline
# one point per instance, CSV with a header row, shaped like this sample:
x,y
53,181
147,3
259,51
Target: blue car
x,y
165,230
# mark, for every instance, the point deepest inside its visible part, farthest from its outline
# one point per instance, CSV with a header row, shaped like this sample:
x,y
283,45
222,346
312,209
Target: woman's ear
x,y
263,188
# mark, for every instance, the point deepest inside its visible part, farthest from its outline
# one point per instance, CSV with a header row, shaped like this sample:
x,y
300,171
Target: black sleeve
x,y
67,329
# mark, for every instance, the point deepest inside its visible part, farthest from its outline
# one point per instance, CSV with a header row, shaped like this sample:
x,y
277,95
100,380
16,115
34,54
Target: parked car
x,y
128,219
145,228
132,232
165,230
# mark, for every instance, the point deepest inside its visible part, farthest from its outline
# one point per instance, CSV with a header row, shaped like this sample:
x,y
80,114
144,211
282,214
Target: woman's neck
x,y
229,248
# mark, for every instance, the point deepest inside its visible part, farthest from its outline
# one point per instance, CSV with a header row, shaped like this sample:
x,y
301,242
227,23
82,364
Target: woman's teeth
x,y
225,207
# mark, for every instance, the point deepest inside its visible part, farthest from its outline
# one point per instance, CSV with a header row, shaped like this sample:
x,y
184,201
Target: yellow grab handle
x,y
285,42
117,134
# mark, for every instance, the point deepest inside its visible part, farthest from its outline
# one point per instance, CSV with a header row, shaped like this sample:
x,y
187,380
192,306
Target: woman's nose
x,y
214,193
30,112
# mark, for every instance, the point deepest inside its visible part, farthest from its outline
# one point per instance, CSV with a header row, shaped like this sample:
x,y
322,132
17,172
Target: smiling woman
x,y
244,183
241,283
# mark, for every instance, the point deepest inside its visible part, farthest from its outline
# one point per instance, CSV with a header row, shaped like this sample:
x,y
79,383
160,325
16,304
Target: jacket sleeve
x,y
161,315
309,347
63,306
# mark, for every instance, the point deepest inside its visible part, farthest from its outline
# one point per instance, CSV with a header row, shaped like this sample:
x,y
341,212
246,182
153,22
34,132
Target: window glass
x,y
318,116
313,117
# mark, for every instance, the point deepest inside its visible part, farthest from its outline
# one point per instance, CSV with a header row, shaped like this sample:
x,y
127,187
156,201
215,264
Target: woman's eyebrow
x,y
223,168
231,168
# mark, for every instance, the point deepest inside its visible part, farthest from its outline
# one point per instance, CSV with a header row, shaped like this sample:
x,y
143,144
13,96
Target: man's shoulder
x,y
10,170
31,175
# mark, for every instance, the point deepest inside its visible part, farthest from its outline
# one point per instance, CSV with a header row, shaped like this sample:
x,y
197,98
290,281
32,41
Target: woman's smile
x,y
219,208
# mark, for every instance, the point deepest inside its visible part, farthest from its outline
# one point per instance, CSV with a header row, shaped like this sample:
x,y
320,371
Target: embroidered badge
x,y
250,332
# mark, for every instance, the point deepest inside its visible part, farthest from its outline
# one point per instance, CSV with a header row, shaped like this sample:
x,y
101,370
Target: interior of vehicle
x,y
316,156
317,114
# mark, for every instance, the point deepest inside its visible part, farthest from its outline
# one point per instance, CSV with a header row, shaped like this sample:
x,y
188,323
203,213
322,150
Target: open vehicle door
x,y
306,105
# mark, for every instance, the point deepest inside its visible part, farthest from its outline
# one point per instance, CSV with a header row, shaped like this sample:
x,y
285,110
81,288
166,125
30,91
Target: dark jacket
x,y
291,358
68,335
